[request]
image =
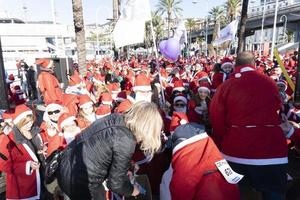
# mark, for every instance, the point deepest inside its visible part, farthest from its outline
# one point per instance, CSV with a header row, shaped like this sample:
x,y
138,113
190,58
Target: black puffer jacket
x,y
102,151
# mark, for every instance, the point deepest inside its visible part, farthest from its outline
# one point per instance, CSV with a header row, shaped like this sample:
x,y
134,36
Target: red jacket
x,y
18,97
21,182
195,175
53,142
217,80
49,87
244,119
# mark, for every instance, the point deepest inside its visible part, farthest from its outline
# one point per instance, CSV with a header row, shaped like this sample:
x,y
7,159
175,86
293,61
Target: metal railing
x,y
270,8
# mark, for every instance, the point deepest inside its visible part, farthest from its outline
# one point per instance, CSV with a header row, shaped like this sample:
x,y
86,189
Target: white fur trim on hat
x,y
120,99
106,102
180,98
226,63
204,88
116,91
142,88
50,63
179,89
53,106
21,116
183,121
101,116
67,121
87,104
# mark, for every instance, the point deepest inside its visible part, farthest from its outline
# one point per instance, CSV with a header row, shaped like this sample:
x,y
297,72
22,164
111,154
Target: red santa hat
x,y
21,112
54,106
114,88
124,106
7,116
75,79
102,111
64,120
69,98
45,63
178,86
204,87
121,96
106,98
107,66
226,62
11,77
142,83
180,98
99,78
85,101
282,83
178,118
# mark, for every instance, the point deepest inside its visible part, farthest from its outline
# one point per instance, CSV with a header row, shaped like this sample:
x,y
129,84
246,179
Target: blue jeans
x,y
270,180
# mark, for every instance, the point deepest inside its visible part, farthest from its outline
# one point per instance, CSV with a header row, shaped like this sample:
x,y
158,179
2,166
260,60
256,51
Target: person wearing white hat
x,y
50,131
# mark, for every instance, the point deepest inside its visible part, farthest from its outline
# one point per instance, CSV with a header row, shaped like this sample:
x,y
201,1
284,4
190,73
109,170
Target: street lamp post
x,y
96,21
284,26
206,25
54,23
262,28
274,30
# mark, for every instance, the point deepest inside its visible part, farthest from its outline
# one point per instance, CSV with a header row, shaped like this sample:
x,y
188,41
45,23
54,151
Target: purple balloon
x,y
162,46
172,49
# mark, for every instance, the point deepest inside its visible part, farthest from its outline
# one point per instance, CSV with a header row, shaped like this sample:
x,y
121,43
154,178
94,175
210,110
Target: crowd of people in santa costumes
x,y
213,109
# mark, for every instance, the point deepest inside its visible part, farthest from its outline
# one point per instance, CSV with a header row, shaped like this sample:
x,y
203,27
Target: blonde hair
x,y
24,121
145,122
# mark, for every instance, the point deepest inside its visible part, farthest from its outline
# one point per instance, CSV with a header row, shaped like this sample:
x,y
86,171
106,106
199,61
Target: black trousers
x,y
270,180
96,192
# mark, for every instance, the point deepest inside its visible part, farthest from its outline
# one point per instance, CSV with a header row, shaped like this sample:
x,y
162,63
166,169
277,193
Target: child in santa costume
x,y
51,135
87,113
24,152
194,172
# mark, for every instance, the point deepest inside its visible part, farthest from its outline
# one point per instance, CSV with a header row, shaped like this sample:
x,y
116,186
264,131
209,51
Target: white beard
x,y
51,132
142,97
70,136
180,109
91,117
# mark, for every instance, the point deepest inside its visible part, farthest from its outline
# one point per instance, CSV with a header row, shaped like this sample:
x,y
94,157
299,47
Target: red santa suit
x,y
194,174
48,83
51,135
18,96
244,110
21,181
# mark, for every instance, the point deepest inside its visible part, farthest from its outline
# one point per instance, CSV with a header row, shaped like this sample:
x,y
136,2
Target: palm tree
x,y
217,16
79,35
190,24
242,28
170,7
233,8
158,25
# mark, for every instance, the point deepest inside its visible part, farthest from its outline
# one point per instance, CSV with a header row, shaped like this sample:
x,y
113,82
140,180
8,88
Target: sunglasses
x,y
53,112
179,105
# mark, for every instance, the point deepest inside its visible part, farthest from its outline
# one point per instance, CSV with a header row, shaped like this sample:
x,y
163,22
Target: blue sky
x,y
39,10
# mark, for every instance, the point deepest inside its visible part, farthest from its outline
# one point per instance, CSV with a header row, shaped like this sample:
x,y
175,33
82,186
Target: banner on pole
x,y
227,33
130,28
